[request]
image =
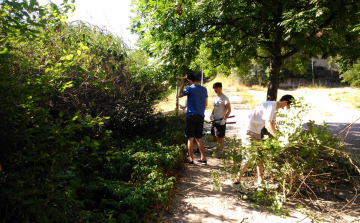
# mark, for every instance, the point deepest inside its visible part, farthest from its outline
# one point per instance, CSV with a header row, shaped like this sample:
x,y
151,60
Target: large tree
x,y
233,32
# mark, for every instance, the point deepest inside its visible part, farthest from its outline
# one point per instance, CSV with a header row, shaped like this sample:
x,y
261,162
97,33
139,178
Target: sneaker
x,y
257,184
202,162
219,154
197,151
190,162
240,187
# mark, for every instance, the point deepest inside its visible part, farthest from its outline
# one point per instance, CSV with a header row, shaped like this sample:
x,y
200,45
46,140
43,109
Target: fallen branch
x,y
302,182
344,154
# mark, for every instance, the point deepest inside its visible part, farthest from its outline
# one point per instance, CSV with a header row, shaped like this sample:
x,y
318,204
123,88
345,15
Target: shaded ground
x,y
197,202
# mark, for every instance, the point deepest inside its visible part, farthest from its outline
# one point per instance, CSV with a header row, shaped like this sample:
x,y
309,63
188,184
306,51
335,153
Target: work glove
x,y
212,117
223,121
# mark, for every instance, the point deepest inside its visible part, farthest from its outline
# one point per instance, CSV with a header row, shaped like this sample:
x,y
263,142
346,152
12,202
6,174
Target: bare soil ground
x,y
196,201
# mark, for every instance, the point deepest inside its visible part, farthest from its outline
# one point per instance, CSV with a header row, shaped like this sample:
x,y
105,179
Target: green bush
x,y
73,110
148,167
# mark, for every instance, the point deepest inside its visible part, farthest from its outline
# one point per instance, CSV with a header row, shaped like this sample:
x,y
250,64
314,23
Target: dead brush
x,y
309,166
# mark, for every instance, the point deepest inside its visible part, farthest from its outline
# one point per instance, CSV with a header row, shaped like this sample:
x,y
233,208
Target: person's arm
x,y
270,126
228,110
206,103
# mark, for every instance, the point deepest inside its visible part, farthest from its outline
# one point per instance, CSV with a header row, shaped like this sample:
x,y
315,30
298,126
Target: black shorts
x,y
218,130
194,126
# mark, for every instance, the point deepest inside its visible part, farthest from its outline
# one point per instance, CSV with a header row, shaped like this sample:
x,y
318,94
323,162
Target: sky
x,y
113,14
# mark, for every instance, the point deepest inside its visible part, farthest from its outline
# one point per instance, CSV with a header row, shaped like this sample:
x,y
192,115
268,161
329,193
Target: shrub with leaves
x,y
125,184
68,100
297,162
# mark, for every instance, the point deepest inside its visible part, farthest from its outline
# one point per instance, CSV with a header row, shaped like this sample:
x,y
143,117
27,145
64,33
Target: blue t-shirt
x,y
196,97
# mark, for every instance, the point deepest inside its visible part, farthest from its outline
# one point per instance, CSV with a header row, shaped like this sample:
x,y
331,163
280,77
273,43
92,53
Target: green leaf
x,y
4,50
61,114
102,76
69,57
80,70
32,3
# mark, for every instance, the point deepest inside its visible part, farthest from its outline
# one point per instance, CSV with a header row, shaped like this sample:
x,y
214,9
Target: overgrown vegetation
x,y
350,73
80,141
297,164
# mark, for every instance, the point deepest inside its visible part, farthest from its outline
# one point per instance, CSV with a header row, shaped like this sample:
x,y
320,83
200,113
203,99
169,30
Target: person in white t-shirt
x,y
220,113
262,116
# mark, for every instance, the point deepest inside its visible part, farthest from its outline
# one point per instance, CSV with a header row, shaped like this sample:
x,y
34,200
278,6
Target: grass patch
x,y
317,86
229,84
165,94
258,88
248,99
349,96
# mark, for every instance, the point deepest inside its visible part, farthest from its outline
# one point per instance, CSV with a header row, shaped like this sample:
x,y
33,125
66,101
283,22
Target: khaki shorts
x,y
246,142
254,135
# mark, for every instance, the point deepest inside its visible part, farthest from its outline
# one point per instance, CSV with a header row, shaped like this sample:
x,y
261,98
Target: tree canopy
x,y
234,32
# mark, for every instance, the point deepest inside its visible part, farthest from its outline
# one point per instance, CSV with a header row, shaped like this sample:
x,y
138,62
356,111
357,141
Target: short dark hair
x,y
217,84
288,98
191,76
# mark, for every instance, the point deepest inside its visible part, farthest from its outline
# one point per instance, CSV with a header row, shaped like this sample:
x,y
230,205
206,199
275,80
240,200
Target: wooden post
x,y
177,99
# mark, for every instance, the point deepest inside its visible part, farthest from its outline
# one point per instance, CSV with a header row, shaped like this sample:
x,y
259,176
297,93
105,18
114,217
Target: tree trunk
x,y
273,84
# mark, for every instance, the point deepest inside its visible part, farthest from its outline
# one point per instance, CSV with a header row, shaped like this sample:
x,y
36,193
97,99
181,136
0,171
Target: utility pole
x,y
202,67
312,69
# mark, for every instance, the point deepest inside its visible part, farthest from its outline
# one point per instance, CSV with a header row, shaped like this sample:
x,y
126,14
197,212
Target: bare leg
x,y
191,148
215,138
260,171
200,145
242,172
221,142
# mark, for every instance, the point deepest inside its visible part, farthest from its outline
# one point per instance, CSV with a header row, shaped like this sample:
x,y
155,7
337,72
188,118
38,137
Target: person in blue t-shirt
x,y
196,104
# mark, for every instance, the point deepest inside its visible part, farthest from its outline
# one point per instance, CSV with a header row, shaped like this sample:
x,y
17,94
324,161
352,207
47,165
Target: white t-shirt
x,y
265,111
219,106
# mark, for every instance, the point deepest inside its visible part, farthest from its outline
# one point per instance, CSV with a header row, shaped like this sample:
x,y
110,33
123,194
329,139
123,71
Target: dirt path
x,y
197,202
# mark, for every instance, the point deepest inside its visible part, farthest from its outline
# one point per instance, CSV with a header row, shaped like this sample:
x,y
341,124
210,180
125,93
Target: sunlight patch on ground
x,y
325,101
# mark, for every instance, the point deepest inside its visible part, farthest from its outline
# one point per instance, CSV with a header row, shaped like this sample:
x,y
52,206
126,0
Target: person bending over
x,y
262,116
